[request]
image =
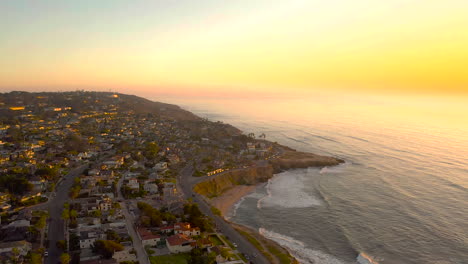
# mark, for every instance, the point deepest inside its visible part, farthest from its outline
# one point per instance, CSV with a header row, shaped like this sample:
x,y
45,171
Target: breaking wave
x,y
335,169
287,190
299,250
233,210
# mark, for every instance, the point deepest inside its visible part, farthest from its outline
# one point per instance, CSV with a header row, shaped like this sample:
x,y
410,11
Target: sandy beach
x,y
231,197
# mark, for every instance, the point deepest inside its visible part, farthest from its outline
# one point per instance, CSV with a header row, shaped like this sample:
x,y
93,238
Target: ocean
x,y
401,196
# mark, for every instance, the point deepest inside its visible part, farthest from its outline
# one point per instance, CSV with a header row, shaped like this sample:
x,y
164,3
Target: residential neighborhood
x,y
115,161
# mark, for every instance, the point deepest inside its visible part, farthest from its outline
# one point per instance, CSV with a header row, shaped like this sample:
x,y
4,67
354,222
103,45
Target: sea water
x,y
401,196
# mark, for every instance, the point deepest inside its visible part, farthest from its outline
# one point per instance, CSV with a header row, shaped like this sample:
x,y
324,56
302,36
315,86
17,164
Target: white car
x,y
46,254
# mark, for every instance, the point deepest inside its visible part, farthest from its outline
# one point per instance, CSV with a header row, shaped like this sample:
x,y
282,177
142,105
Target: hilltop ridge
x,y
86,101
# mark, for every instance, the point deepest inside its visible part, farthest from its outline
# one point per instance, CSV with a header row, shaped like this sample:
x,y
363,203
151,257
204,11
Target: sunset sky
x,y
211,46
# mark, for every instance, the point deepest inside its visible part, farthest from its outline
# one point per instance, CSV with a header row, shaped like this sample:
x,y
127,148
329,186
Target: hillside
x,y
79,101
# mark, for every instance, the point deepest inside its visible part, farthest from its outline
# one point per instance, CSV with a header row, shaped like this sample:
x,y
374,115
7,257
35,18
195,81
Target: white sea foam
x,y
234,208
299,250
335,169
287,190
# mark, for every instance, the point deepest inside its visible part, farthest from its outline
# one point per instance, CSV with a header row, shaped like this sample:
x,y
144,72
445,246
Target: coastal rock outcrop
x,y
292,159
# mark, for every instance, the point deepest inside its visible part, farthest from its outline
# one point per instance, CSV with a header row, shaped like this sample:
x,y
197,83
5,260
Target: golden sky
x,y
205,46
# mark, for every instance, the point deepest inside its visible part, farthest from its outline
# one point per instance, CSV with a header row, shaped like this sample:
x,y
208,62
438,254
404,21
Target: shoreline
x,y
272,250
229,198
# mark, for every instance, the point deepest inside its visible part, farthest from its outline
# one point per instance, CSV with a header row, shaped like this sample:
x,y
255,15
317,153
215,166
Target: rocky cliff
x,y
217,185
292,159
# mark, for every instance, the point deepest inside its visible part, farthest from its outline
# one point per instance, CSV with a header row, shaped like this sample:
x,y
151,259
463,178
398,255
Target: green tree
x,y
62,244
215,211
106,248
65,258
35,258
151,150
73,214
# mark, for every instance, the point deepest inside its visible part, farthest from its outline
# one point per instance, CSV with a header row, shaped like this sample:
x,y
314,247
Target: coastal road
x,y
137,245
55,206
186,182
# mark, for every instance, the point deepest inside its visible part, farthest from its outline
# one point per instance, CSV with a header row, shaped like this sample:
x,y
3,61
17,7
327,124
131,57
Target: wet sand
x,y
231,197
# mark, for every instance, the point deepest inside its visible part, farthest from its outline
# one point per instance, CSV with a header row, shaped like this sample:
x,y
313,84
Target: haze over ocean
x,y
401,196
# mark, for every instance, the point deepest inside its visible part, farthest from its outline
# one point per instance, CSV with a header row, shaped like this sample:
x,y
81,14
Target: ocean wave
x,y
299,250
268,195
335,169
235,207
287,190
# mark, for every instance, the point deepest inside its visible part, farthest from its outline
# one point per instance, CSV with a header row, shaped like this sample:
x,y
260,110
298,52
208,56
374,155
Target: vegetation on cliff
x,y
217,185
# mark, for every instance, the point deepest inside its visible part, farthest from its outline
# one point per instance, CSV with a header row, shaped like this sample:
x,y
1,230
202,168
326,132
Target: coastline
x,y
226,202
224,190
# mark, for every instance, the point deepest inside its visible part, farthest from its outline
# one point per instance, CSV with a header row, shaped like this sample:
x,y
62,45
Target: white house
x,y
23,247
185,229
133,184
88,238
150,187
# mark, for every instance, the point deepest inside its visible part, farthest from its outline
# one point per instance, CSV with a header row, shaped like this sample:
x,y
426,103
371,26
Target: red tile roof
x,y
177,240
145,234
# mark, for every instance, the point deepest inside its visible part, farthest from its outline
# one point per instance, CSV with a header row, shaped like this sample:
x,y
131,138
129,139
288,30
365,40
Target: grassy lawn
x,y
216,241
283,258
170,259
228,242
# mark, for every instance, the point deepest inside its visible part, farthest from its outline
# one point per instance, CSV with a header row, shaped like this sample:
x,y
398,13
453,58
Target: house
x,y
23,247
124,255
87,238
133,184
88,223
185,229
169,189
93,172
179,243
161,166
167,229
204,243
250,147
151,188
30,195
129,175
4,197
18,224
154,176
173,158
105,204
38,183
147,238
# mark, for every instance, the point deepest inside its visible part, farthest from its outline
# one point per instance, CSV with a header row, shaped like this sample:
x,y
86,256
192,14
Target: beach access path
x,y
186,182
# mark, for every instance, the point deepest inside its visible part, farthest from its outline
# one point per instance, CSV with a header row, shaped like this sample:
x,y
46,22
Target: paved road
x,y
186,182
141,253
55,206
